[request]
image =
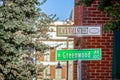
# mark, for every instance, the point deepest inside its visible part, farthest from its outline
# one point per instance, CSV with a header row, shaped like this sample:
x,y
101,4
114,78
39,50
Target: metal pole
x,y
79,75
79,70
67,70
67,62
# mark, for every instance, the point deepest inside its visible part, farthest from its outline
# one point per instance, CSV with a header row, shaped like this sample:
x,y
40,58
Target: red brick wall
x,y
94,70
52,72
63,72
52,55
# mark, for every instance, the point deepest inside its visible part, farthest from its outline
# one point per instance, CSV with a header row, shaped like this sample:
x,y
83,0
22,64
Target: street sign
x,y
78,31
83,54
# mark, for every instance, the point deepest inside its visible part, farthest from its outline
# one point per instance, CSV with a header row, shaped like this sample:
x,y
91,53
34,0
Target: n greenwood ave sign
x,y
83,54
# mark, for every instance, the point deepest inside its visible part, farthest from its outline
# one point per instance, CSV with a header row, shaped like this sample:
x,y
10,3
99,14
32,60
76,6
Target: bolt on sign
x,y
83,54
78,30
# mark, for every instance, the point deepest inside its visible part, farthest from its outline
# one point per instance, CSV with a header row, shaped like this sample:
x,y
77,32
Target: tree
x,y
21,23
112,7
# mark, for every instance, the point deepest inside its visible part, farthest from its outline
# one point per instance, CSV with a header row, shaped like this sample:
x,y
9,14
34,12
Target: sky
x,y
62,8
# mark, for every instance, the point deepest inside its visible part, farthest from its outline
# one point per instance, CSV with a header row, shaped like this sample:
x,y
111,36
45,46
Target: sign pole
x,y
79,75
67,61
67,70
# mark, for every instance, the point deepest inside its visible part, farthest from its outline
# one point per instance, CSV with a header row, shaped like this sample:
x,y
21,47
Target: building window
x,y
47,56
47,73
58,72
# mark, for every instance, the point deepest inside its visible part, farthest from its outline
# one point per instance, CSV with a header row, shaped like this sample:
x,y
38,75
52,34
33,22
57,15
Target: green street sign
x,y
83,54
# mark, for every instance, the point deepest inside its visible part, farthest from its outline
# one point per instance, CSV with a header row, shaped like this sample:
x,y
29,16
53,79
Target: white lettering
x,y
64,56
79,55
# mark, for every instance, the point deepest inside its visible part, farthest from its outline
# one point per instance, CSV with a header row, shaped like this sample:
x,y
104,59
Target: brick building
x,y
94,70
50,72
